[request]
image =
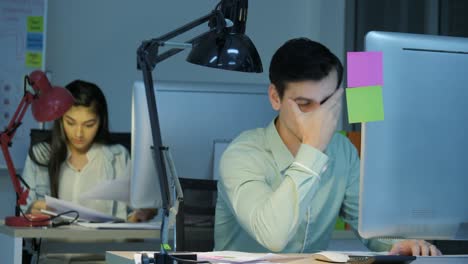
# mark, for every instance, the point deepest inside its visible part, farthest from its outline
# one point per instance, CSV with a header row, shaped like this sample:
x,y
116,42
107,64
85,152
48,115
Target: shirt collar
x,y
281,153
91,154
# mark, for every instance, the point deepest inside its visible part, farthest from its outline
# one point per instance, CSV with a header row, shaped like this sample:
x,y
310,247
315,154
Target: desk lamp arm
x,y
6,137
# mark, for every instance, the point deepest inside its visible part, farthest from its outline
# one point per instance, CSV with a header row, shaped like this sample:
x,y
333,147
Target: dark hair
x,y
88,95
302,59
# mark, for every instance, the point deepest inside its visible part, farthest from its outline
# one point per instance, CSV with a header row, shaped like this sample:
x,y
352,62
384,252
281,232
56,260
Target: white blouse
x,y
105,162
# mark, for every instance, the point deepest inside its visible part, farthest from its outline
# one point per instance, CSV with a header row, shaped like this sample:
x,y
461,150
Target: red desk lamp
x,y
48,103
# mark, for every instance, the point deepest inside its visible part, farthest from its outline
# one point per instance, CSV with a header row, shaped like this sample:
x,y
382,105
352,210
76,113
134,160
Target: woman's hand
x,y
37,206
142,215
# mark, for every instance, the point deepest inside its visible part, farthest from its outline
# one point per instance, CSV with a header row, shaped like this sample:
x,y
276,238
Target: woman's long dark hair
x,y
88,95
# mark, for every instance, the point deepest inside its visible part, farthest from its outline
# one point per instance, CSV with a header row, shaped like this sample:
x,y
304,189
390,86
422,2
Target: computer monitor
x,y
414,164
196,121
144,182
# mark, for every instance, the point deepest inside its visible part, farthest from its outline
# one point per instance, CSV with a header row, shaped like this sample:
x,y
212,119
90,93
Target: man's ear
x,y
274,97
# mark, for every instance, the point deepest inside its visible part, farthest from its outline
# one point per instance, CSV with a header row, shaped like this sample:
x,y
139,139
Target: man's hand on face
x,y
317,126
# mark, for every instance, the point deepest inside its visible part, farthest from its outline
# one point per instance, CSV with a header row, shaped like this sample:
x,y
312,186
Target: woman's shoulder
x,y
114,150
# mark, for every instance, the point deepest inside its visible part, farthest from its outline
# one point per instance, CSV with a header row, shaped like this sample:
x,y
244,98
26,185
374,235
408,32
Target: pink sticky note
x,y
365,68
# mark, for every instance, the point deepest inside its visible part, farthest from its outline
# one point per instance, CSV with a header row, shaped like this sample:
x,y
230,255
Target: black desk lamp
x,y
223,46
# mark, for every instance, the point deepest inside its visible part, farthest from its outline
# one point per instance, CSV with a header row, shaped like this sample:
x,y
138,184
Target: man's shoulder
x,y
341,145
248,143
339,138
254,137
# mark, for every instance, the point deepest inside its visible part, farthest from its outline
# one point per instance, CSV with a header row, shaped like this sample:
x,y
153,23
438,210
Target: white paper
x,y
117,190
225,257
86,214
147,226
237,257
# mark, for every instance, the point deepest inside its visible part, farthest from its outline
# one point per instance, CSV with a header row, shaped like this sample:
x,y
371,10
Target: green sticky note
x,y
35,24
365,104
33,59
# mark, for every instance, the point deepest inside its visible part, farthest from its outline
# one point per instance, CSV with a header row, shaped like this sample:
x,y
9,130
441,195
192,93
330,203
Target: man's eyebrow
x,y
300,98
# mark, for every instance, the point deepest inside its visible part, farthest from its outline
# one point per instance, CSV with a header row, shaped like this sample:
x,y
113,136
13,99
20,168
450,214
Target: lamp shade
x,y
49,102
227,51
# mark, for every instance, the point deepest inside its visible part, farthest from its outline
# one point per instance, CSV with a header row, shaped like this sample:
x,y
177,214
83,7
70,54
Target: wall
x,y
97,40
7,195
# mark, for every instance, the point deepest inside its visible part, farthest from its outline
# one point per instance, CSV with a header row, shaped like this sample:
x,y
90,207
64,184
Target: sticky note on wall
x,y
365,68
35,24
365,104
33,59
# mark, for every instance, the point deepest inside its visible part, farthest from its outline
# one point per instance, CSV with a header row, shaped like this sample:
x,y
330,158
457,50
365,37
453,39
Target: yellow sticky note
x,y
33,59
35,24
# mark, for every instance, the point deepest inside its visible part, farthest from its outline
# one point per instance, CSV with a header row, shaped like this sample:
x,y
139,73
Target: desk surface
x,y
126,257
77,232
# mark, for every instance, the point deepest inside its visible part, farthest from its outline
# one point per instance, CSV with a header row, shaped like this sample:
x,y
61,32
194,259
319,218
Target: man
x,y
282,187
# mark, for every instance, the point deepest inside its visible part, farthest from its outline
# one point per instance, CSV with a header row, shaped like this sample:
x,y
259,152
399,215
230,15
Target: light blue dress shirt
x,y
271,201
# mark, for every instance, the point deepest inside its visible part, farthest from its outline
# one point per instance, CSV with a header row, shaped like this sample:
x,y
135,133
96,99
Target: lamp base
x,y
32,220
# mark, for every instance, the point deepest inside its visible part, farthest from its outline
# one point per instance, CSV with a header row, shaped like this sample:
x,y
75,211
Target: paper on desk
x,y
86,214
146,225
237,256
118,190
226,257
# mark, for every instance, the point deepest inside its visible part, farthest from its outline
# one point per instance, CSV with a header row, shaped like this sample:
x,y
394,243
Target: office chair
x,y
355,138
195,219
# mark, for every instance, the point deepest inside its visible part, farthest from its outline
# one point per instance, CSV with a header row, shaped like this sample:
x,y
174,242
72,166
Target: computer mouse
x,y
330,256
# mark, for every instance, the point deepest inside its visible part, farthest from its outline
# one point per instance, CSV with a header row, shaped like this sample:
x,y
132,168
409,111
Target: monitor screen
x,y
144,182
414,166
196,121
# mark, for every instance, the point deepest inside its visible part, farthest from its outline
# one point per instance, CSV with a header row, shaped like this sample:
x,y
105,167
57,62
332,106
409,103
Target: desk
x,y
85,240
126,257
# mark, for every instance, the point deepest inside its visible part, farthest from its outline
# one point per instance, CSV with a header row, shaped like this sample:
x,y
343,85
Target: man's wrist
x,y
313,143
312,158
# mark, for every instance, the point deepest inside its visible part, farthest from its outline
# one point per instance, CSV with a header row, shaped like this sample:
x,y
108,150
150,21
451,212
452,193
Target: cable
x,y
186,260
146,259
77,215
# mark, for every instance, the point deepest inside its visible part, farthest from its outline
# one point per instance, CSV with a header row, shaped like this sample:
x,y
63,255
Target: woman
x,y
78,156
